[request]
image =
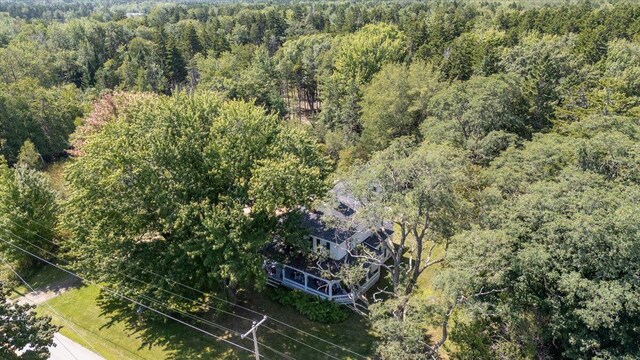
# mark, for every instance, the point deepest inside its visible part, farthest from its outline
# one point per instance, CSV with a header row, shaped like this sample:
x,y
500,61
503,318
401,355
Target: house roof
x,y
320,267
375,239
334,222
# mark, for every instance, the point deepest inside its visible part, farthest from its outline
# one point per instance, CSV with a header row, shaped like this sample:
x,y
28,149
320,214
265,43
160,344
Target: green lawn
x,y
115,338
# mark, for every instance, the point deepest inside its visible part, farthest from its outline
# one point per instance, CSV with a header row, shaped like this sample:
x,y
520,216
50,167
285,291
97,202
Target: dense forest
x,y
501,140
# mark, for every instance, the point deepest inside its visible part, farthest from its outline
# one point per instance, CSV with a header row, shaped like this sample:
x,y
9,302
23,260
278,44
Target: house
x,y
334,241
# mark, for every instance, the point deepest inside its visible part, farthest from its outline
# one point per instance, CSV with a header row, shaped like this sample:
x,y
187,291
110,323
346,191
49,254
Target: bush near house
x,y
313,307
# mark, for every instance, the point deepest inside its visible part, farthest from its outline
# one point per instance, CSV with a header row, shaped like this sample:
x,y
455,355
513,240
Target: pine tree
x,y
190,42
175,65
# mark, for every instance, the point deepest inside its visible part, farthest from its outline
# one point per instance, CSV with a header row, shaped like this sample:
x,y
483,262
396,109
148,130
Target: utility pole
x,y
253,331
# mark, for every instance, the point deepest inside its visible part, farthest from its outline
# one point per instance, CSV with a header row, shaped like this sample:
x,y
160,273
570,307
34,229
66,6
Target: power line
x,y
184,313
219,299
119,272
270,318
127,298
300,342
52,309
148,298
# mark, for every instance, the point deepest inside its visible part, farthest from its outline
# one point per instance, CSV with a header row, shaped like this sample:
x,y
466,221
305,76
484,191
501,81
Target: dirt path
x,y
50,291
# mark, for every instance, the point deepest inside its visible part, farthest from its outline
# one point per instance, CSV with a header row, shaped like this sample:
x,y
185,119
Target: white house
x,y
334,235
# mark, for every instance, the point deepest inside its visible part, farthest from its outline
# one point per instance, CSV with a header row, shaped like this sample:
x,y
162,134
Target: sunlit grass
x,y
117,340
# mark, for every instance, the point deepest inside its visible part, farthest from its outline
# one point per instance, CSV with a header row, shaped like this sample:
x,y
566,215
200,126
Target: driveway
x,y
64,348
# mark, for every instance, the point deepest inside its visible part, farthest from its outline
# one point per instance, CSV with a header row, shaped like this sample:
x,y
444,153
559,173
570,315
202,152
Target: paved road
x,y
67,349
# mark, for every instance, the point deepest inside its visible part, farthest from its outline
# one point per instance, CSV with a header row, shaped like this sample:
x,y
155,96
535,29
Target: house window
x,y
327,245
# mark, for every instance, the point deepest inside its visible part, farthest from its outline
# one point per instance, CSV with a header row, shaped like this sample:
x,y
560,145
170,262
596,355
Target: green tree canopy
x,y
360,55
245,73
28,214
395,103
44,116
186,186
483,115
548,66
558,242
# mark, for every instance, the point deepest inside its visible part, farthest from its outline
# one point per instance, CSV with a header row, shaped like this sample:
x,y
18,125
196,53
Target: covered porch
x,y
295,278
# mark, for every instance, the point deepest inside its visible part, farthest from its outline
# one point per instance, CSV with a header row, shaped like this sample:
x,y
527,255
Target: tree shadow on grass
x,y
343,340
179,340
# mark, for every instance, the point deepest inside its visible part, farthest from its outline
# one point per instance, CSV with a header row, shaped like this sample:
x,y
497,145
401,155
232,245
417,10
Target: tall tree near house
x,y
21,331
164,185
419,189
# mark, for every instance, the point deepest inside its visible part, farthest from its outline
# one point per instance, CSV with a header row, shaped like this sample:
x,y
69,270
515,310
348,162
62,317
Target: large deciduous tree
x,y
556,249
186,187
420,191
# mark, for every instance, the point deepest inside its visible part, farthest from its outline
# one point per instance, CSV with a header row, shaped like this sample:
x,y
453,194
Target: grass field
x,y
118,339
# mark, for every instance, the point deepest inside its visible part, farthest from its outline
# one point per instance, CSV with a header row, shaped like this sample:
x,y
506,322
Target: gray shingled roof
x,y
334,222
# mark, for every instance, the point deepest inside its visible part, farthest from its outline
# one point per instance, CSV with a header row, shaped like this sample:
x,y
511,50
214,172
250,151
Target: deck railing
x,y
295,284
343,298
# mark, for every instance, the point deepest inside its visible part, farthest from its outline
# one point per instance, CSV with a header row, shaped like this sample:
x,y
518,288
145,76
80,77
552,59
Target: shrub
x,y
313,307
